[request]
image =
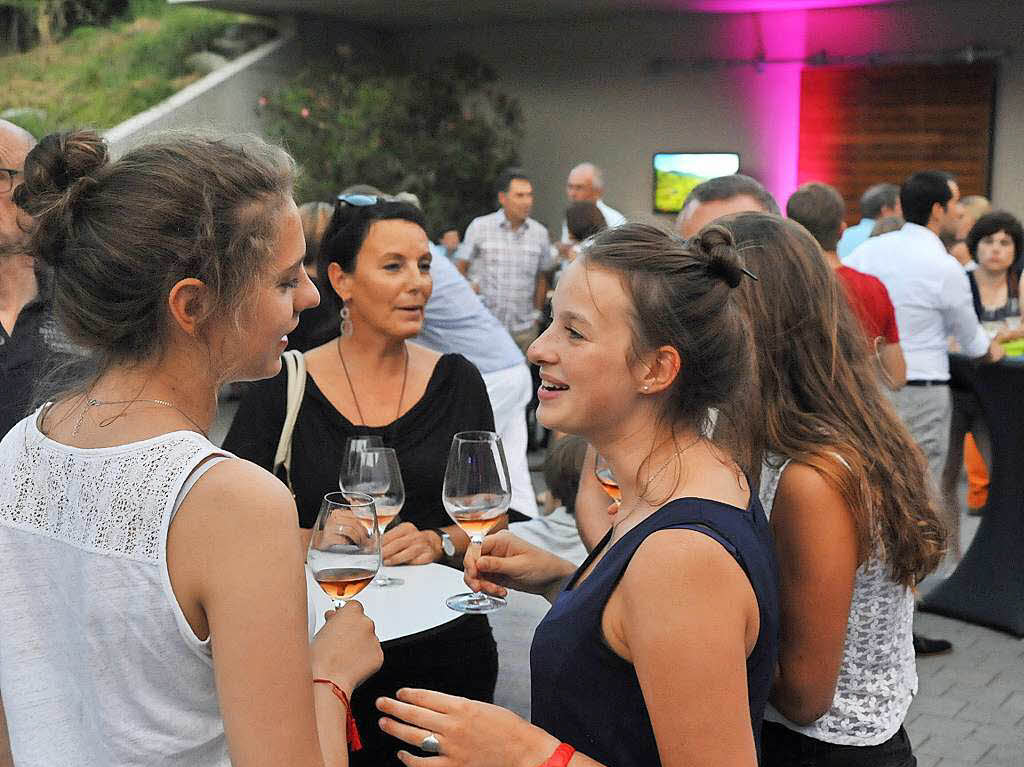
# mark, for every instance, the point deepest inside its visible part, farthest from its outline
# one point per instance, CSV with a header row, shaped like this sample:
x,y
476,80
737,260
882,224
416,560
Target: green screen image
x,y
676,173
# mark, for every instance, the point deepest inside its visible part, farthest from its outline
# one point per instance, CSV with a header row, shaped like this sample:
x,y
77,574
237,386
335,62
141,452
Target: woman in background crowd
x,y
995,244
845,488
151,587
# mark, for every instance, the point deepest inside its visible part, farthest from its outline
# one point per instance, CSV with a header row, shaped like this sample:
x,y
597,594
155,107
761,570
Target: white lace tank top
x,y
98,665
877,675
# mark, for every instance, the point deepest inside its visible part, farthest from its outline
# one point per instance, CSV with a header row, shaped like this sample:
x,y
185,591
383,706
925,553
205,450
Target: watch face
x,y
447,544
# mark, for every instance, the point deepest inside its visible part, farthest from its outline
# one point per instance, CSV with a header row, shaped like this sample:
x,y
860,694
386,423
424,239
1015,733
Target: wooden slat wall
x,y
861,126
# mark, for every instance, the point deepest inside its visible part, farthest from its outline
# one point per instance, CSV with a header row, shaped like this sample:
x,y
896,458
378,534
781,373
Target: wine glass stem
x,y
478,539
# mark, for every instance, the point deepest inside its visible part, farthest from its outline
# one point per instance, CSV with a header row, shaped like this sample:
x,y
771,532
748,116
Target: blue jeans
x,y
781,747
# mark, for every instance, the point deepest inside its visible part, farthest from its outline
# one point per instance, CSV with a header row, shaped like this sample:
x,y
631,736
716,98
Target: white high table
x,y
412,608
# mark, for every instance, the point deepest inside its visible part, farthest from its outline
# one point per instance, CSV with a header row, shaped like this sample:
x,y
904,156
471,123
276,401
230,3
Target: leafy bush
x,y
444,133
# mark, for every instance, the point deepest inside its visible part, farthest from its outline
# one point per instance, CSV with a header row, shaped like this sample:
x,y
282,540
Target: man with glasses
x,y
23,310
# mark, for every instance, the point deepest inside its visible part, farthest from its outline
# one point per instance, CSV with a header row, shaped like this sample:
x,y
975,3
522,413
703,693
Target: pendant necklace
x,y
351,388
92,402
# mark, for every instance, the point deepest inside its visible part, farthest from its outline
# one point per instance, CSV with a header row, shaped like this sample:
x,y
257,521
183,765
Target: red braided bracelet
x,y
351,732
561,756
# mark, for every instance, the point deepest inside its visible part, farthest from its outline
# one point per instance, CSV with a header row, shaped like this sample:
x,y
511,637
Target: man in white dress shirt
x,y
932,299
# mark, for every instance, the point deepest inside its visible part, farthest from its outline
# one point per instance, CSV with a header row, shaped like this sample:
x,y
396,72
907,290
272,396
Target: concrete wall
x,y
225,100
587,92
587,95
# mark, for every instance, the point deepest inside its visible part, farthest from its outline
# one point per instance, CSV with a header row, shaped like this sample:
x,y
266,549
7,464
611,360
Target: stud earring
x,y
346,322
646,387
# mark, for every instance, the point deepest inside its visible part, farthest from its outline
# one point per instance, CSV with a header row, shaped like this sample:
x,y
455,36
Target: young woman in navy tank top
x,y
660,649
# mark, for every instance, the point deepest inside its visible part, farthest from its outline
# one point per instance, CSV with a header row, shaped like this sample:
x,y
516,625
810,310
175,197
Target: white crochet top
x,y
98,665
877,675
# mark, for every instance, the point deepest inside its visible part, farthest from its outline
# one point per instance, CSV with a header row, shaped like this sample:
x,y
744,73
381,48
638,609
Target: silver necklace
x,y
92,402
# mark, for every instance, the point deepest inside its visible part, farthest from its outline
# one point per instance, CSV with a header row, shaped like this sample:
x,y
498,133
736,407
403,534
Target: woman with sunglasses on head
x,y
153,600
372,379
660,649
846,491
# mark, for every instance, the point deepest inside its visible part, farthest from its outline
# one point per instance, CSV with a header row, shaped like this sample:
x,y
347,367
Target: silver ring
x,y
430,744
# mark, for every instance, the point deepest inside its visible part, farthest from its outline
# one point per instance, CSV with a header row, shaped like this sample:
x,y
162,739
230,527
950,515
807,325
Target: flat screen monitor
x,y
676,173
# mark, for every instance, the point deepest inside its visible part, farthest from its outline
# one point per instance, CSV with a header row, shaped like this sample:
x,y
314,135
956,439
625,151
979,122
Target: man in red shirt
x,y
819,208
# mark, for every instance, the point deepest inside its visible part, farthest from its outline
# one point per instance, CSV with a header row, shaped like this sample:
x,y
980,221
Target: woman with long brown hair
x,y
846,491
151,587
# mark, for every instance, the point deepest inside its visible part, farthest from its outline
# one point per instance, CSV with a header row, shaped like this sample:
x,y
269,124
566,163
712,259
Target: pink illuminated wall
x,y
758,6
772,103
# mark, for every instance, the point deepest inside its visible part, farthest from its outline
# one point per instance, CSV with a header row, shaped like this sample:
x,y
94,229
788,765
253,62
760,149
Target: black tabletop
x,y
987,587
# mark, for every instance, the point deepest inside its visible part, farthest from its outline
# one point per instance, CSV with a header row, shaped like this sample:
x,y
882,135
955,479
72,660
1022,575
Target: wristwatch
x,y
447,544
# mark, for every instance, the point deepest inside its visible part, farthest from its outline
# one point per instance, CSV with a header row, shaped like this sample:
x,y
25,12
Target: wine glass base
x,y
474,603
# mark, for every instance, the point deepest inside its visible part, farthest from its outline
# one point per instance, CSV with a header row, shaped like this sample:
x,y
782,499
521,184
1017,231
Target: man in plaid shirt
x,y
506,255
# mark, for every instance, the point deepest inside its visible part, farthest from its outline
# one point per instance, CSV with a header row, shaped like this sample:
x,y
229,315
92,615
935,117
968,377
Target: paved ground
x,y
969,709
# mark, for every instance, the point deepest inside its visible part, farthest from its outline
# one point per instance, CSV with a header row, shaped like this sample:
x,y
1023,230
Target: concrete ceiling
x,y
406,13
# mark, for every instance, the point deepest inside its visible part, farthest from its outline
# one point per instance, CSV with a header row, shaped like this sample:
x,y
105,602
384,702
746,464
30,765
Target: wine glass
x,y
477,491
604,475
344,554
375,472
353,446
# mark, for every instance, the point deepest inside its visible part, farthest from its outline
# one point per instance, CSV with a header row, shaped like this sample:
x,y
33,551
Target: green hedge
x,y
101,76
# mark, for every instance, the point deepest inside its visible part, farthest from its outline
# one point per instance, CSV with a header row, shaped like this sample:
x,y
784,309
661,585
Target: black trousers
x,y
461,658
781,747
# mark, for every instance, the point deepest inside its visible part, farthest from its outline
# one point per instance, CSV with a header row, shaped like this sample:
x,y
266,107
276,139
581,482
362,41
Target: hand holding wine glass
x,y
477,492
344,554
346,649
506,561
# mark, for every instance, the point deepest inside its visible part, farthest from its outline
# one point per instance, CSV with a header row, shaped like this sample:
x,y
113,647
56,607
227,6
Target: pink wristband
x,y
561,756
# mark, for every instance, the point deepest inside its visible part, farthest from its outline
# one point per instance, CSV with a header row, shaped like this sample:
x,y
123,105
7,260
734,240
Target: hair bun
x,y
715,244
56,164
58,171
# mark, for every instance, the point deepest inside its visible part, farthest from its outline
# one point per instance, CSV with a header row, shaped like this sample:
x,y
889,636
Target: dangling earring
x,y
346,322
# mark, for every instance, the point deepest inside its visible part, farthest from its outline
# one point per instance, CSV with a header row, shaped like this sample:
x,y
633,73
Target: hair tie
x,y
78,187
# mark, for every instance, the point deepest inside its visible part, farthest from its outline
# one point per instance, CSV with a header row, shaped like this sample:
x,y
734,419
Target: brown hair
x,y
819,208
819,402
886,225
584,219
119,235
315,217
682,296
563,466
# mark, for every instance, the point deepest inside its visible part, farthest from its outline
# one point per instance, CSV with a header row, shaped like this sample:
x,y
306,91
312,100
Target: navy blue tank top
x,y
586,695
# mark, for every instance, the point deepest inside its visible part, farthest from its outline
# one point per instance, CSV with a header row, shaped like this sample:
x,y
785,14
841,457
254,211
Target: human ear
x,y
341,281
661,368
187,304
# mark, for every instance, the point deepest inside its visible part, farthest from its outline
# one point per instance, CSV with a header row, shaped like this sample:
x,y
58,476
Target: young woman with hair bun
x,y
845,488
151,585
660,648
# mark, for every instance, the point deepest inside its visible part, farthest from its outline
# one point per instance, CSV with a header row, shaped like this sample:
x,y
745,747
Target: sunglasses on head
x,y
359,200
